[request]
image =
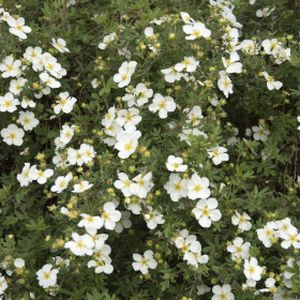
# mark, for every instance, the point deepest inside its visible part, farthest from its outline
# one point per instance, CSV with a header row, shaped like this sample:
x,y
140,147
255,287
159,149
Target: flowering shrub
x,y
149,149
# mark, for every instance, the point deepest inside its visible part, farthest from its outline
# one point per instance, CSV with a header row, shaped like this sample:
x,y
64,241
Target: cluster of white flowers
x,y
190,248
194,29
136,191
275,48
49,72
120,126
183,69
193,188
280,229
84,155
30,173
92,243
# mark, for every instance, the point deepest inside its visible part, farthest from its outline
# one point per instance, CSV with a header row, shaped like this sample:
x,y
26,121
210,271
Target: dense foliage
x,y
149,149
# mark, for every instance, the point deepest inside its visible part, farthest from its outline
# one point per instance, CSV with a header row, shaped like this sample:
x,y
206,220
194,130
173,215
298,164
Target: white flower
x,y
126,70
88,153
231,64
18,27
260,133
171,74
231,37
108,39
13,135
27,120
267,234
222,292
141,185
81,244
127,141
270,46
83,155
51,65
129,116
47,276
33,55
27,103
163,105
206,212
123,184
218,155
109,117
196,30
189,64
82,186
49,81
194,115
265,12
252,270
3,284
186,18
16,85
64,103
175,164
153,218
290,237
281,55
90,223
239,249
10,67
8,103
242,221
144,262
66,134
41,176
27,174
198,187
284,227
102,262
141,95
176,187
225,84
110,215
135,205
61,183
149,32
99,240
193,254
272,83
249,47
19,263
60,44
191,248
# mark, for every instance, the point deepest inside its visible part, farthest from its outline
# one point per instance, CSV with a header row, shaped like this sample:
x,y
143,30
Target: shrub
x,y
149,149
